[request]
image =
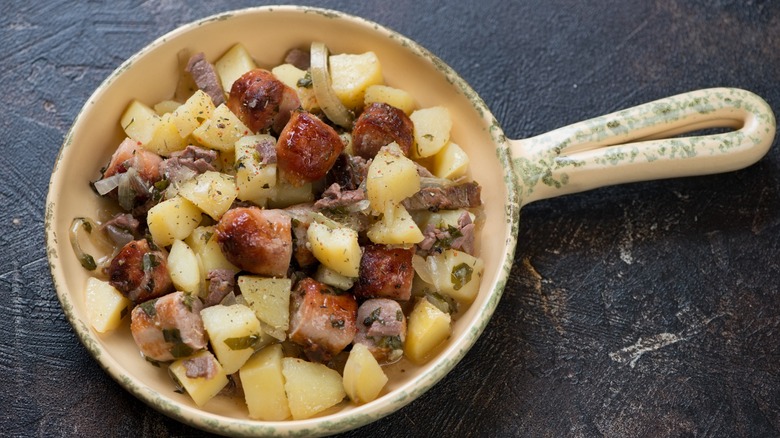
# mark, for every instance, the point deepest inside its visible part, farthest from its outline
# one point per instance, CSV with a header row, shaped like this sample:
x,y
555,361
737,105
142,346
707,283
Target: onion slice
x,y
97,238
323,91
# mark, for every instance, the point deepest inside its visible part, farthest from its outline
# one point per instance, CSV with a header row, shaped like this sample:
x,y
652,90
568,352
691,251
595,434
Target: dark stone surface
x,y
636,311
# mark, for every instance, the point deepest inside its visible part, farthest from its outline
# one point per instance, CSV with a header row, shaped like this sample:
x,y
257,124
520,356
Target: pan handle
x,y
639,144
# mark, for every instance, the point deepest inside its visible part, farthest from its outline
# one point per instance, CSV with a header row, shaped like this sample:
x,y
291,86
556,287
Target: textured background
x,y
643,310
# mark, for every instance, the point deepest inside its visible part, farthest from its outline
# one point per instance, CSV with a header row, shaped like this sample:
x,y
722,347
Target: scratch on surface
x,y
693,318
632,353
553,304
627,242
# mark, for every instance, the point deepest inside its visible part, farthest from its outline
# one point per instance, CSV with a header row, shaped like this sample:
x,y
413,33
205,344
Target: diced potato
x,y
192,113
333,278
221,130
291,75
139,122
200,389
234,333
212,192
172,219
311,387
269,298
203,241
431,130
336,248
395,228
363,376
351,74
166,139
427,328
286,195
396,97
450,162
391,178
165,106
456,274
105,305
263,384
233,64
255,181
184,267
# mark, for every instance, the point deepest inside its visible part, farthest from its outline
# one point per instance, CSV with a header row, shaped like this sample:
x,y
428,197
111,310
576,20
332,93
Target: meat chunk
x,y
300,215
307,148
379,125
321,321
385,272
435,198
255,240
206,78
169,327
348,171
436,240
262,101
183,165
334,197
122,229
140,271
129,154
299,58
130,177
382,328
221,283
204,365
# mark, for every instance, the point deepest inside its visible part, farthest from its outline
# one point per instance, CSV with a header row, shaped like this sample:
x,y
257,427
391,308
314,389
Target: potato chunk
x,y
212,192
139,122
391,178
255,174
395,228
351,74
221,130
106,306
391,96
269,298
450,162
431,130
192,113
200,388
363,376
234,63
427,328
311,387
165,137
336,248
234,333
457,274
184,268
263,383
172,219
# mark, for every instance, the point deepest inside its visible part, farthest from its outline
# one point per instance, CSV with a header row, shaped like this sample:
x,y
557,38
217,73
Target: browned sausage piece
x,y
321,321
131,154
385,272
140,272
382,328
261,101
307,148
169,327
255,240
381,124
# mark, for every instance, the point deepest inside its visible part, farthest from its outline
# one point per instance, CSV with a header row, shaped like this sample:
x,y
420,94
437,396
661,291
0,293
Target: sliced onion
x,y
323,91
422,269
105,185
97,237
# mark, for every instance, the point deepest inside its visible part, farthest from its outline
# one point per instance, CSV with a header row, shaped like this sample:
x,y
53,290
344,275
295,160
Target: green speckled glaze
x,y
605,150
635,144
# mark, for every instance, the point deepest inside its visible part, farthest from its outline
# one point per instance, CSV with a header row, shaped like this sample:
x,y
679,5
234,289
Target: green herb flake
x,y
242,343
88,262
149,261
148,308
461,275
391,342
374,316
305,81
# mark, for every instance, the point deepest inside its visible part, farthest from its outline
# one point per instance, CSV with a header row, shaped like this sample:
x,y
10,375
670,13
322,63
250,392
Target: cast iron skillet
x,y
640,143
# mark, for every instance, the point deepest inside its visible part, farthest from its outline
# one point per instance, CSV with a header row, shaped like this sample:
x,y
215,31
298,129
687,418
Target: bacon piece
x,y
307,148
262,101
379,125
321,321
385,272
255,240
169,327
140,272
